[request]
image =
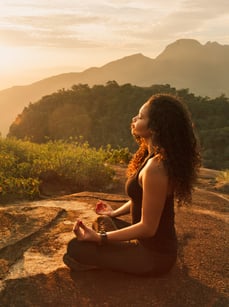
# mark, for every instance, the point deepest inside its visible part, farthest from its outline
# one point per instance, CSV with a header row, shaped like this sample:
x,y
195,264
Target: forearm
x,y
134,231
124,209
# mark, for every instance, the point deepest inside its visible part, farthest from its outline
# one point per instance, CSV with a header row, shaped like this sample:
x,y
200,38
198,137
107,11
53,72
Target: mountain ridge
x,y
185,63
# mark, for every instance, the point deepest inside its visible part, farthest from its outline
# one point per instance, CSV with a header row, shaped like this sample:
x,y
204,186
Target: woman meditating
x,y
163,169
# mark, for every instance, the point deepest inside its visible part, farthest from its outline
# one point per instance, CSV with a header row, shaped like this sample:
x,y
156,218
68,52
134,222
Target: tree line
x,y
102,114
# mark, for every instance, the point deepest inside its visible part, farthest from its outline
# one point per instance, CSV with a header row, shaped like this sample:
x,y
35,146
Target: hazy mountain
x,y
186,63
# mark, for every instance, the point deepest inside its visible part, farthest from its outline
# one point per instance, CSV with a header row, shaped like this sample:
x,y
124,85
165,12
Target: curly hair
x,y
175,142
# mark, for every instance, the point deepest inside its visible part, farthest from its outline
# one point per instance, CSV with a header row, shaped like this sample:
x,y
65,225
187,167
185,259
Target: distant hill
x,y
186,63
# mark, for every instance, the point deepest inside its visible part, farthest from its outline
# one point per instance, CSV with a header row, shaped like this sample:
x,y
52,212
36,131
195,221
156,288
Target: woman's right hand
x,y
103,208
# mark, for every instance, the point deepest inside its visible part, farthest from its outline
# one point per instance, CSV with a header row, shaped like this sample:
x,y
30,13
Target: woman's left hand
x,y
85,233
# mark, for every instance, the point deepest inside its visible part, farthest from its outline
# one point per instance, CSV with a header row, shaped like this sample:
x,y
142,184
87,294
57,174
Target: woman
x,y
164,167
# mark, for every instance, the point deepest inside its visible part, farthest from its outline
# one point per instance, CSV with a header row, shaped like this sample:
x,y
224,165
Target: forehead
x,y
144,108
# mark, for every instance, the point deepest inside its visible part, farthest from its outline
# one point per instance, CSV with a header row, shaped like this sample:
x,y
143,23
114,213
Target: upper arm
x,y
154,182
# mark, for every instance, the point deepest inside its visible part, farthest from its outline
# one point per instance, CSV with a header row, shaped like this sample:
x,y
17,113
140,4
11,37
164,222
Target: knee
x,y
82,251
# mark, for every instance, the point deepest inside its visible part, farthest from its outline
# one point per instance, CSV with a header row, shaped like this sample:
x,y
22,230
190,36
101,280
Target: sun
x,y
15,63
10,58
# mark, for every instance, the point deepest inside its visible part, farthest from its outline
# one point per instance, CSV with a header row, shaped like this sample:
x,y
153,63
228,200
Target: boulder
x,y
34,237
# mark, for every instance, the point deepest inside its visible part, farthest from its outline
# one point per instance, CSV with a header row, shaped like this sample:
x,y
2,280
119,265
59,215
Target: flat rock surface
x,y
34,237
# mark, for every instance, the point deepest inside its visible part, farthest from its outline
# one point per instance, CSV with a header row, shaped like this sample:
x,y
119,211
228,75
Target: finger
x,y
82,225
100,201
76,226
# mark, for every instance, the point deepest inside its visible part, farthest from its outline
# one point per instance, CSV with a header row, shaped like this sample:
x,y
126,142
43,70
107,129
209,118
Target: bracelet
x,y
103,237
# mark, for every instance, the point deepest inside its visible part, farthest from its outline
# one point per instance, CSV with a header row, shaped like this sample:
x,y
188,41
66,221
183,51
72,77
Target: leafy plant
x,y
223,177
23,166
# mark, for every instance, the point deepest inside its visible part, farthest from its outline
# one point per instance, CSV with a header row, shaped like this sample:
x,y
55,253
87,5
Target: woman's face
x,y
139,125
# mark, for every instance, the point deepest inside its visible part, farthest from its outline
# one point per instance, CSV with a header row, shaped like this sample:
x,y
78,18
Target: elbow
x,y
148,231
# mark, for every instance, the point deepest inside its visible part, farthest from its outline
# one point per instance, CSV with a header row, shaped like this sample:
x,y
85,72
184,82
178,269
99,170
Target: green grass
x,y
223,177
23,166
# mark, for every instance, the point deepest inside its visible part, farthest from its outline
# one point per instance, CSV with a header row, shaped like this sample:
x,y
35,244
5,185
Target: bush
x,y
116,155
23,164
223,181
12,188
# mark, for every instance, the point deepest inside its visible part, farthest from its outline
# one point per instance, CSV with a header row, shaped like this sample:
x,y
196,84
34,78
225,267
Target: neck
x,y
150,147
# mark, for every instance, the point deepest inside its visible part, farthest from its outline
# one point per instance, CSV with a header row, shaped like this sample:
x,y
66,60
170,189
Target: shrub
x,y
23,163
223,181
116,155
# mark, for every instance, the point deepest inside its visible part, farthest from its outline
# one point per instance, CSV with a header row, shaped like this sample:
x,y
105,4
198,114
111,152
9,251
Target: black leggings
x,y
128,256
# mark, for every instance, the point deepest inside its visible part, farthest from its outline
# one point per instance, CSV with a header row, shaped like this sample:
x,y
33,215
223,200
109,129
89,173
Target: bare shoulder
x,y
154,173
155,166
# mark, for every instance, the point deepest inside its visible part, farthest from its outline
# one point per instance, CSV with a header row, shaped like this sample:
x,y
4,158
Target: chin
x,y
134,134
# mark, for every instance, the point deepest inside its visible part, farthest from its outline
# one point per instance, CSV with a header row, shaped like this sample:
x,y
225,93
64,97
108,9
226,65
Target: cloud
x,y
102,26
46,39
48,30
51,21
213,8
190,19
123,23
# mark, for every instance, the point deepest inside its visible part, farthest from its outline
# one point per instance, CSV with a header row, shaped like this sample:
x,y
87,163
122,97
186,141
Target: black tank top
x,y
164,240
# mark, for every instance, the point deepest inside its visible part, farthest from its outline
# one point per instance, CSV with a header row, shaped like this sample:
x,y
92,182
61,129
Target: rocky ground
x,y
34,237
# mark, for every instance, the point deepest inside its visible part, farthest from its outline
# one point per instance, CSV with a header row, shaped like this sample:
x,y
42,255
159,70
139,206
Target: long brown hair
x,y
175,141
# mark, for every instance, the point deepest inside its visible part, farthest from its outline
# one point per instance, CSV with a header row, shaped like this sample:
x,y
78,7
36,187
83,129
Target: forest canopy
x,y
102,114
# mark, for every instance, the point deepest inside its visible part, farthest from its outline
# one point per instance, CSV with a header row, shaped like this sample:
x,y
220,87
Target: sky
x,y
39,39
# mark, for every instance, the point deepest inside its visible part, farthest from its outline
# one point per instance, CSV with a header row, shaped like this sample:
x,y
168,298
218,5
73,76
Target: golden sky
x,y
40,38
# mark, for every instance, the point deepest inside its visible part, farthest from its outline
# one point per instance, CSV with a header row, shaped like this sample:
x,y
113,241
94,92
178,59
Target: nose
x,y
134,119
